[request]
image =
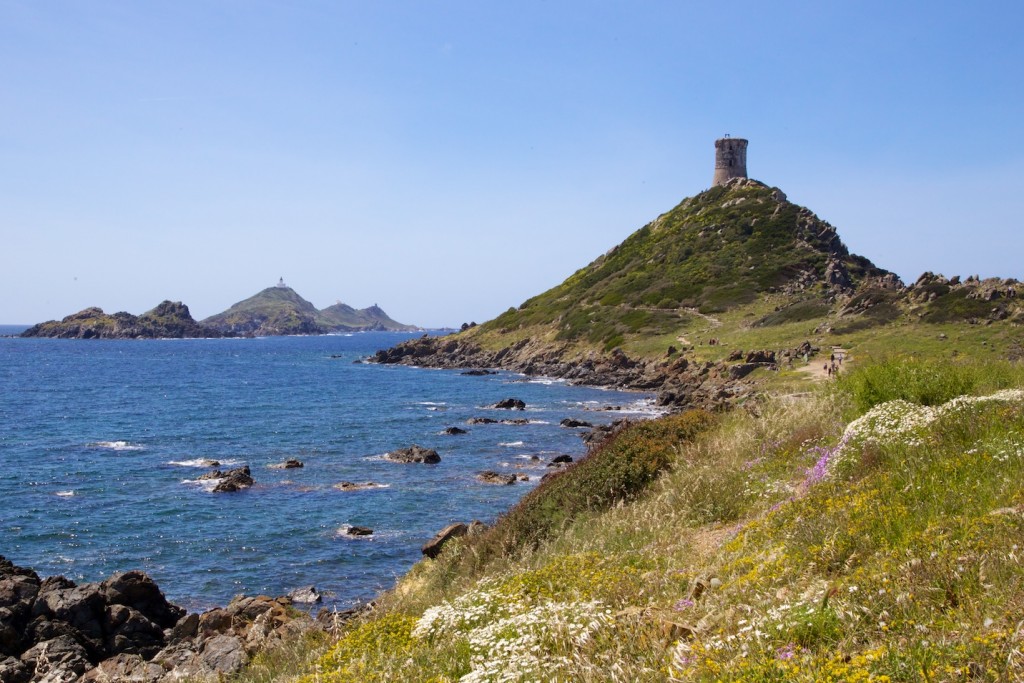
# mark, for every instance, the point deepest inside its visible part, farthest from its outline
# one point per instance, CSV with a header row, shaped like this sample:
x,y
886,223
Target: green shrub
x,y
618,470
925,382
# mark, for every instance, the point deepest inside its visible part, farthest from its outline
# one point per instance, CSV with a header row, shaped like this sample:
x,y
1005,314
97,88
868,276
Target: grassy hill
x,y
714,252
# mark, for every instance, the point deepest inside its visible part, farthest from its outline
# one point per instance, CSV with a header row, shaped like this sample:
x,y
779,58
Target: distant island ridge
x,y
275,311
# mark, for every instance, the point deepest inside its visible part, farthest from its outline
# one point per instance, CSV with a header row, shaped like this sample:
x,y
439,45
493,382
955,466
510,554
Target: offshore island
x,y
274,311
835,494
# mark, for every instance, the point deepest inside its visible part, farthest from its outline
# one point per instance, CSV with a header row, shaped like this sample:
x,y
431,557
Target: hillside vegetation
x,y
873,530
713,252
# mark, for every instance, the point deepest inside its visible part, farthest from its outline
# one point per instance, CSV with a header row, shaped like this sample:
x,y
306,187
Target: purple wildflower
x,y
682,604
786,652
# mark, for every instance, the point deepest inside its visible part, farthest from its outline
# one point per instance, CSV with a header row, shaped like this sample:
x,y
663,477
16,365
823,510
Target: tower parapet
x,y
730,160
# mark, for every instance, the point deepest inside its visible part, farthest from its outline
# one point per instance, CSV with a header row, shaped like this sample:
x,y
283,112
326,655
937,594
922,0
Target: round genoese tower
x,y
730,160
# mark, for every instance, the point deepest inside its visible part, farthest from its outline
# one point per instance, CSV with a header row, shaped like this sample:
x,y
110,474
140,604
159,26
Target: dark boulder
x,y
455,431
572,423
481,421
230,480
433,547
137,590
510,404
414,453
761,357
60,660
741,370
359,531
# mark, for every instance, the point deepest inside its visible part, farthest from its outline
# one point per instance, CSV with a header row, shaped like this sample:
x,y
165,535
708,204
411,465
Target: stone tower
x,y
730,160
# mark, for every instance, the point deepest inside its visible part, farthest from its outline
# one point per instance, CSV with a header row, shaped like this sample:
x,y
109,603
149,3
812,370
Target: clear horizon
x,y
448,161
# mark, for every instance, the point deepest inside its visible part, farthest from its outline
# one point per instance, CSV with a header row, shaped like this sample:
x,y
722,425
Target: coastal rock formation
x,y
169,320
679,382
229,481
124,629
414,453
510,404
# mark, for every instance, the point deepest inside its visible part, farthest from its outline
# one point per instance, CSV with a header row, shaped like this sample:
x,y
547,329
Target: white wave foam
x,y
204,462
65,494
547,381
117,445
343,532
431,403
207,485
510,444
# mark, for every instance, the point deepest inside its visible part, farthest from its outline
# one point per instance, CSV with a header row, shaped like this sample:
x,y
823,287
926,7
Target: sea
x,y
102,444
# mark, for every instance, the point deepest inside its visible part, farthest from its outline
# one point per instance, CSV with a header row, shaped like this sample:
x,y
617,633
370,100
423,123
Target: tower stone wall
x,y
730,160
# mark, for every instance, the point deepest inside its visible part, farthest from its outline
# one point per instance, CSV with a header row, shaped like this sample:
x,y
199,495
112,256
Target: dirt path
x,y
816,368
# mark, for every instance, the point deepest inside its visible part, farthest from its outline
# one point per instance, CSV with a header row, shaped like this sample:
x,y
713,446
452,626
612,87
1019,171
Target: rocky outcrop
x,y
680,382
124,629
230,481
169,320
510,404
413,454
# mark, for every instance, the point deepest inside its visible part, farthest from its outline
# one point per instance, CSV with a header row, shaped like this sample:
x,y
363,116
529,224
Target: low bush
x,y
618,470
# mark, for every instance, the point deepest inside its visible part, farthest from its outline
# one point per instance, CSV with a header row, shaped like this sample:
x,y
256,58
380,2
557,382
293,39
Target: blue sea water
x,y
101,443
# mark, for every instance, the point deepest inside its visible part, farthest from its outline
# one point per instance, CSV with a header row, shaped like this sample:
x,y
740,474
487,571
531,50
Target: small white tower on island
x,y
281,284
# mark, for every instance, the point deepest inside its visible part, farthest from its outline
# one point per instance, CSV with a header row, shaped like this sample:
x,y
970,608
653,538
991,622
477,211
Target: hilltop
x,y
280,310
731,284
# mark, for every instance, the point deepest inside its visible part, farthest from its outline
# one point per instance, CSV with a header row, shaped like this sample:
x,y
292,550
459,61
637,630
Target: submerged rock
x,y
572,423
353,486
490,477
455,431
289,464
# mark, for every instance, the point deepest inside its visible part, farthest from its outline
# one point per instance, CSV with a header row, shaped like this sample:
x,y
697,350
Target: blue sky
x,y
449,159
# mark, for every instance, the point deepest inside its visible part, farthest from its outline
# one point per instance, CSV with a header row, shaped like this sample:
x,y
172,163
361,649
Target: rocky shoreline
x,y
678,381
123,629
